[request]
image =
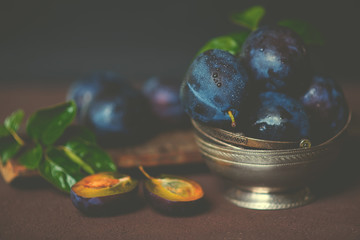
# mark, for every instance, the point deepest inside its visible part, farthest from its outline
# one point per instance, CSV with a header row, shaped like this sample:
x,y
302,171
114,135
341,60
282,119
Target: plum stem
x,y
233,123
145,173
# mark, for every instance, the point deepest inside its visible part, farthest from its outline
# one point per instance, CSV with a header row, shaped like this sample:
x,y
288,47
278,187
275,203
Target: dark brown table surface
x,y
35,210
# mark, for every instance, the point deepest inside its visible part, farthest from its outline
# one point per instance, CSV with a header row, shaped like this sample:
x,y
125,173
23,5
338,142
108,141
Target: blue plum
x,y
327,107
277,60
215,89
86,89
165,104
120,118
278,117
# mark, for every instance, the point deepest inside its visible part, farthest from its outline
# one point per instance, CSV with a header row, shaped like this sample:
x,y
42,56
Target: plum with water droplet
x,y
278,117
215,89
326,105
277,60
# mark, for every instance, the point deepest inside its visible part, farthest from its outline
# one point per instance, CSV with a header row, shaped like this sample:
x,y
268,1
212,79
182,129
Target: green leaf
x,y
8,148
240,37
48,124
249,18
76,159
59,170
309,34
231,43
77,132
3,131
32,157
13,122
92,154
226,43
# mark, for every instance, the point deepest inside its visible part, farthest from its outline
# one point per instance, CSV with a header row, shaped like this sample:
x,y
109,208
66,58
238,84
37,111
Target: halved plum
x,y
104,193
173,195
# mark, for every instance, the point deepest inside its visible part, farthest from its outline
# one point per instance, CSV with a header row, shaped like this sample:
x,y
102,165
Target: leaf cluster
x,y
62,153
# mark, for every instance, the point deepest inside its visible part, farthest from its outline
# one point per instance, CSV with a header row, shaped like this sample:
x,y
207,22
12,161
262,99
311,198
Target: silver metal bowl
x,y
274,175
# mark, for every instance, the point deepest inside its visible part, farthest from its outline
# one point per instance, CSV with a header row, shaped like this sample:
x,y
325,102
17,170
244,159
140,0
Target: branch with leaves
x,y
61,152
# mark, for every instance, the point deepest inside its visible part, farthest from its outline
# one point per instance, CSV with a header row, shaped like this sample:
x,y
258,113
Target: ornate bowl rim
x,y
237,141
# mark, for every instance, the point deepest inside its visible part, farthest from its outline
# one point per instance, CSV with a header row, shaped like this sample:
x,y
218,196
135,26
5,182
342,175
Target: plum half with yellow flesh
x,y
104,193
173,195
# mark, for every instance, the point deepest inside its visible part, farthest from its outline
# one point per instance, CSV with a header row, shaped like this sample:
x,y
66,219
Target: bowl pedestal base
x,y
270,200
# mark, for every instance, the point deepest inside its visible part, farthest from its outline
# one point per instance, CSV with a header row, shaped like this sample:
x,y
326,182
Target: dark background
x,y
60,41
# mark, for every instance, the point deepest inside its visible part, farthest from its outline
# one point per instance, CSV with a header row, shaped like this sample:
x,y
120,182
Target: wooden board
x,y
176,147
13,170
171,148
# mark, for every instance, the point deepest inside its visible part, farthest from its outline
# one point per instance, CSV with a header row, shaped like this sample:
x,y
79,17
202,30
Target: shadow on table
x,y
116,210
31,183
344,174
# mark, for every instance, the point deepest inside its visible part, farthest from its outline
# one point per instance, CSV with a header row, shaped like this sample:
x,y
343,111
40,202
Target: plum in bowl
x,y
265,119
